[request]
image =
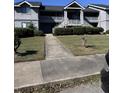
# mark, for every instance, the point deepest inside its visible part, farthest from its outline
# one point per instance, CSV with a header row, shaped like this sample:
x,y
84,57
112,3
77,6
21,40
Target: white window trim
x,y
27,23
23,25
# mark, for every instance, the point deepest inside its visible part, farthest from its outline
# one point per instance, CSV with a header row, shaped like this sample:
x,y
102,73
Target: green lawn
x,y
31,49
96,44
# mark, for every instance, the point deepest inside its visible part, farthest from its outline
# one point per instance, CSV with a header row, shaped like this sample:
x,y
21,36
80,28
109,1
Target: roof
x,y
90,10
36,3
73,2
100,6
54,8
61,8
33,4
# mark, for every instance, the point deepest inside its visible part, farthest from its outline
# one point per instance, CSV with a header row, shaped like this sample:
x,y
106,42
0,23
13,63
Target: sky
x,y
65,2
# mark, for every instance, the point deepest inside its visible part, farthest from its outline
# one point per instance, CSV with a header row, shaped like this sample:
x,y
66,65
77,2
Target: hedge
x,y
107,32
97,30
23,32
63,31
89,30
26,32
38,33
78,30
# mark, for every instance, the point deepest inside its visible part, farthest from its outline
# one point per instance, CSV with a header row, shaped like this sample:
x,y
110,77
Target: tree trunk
x,y
83,39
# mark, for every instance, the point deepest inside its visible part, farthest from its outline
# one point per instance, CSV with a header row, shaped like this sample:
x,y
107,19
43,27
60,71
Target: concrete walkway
x,y
27,73
54,49
33,73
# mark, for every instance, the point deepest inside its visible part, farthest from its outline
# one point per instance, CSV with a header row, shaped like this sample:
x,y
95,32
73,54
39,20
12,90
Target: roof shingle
x,y
101,5
54,8
90,10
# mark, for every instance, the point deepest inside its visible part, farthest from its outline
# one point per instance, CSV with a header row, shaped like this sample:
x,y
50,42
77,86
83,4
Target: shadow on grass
x,y
28,52
90,46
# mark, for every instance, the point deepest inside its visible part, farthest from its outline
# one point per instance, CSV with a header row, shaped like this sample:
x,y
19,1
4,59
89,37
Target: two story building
x,y
45,18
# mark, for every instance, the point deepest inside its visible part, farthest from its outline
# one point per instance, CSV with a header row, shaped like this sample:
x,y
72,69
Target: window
x,y
25,9
24,25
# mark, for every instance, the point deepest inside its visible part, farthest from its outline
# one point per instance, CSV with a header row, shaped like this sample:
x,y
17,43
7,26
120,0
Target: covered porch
x,y
73,14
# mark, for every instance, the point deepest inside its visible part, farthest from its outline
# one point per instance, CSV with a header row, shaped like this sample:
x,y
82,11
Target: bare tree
x,y
83,39
17,43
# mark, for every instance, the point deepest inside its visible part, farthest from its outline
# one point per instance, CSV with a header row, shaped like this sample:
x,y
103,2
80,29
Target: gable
x,y
26,3
74,4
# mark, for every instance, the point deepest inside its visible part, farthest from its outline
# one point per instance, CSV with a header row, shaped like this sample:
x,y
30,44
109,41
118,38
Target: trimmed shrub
x,y
107,32
79,30
94,30
97,30
63,31
24,32
38,33
100,29
32,27
88,30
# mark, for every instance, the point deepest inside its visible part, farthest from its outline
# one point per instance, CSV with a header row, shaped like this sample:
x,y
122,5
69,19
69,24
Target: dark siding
x,y
47,27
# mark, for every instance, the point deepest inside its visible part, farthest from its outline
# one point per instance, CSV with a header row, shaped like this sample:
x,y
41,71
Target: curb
x,y
29,87
45,49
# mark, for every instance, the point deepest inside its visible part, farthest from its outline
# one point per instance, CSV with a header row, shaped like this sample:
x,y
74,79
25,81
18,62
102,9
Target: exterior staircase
x,y
62,24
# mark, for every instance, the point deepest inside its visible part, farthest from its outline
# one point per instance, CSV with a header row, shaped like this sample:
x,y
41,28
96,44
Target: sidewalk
x,y
33,73
54,49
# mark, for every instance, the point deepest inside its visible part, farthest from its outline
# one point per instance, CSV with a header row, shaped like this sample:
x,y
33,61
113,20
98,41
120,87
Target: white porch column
x,y
65,17
81,17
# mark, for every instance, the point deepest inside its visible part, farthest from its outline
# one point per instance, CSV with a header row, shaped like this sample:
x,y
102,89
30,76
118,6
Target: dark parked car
x,y
105,75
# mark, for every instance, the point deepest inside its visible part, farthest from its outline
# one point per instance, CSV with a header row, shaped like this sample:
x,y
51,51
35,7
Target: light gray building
x,y
46,18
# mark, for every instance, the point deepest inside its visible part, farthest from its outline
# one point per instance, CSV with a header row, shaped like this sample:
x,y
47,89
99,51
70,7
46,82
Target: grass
x,y
31,49
96,44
